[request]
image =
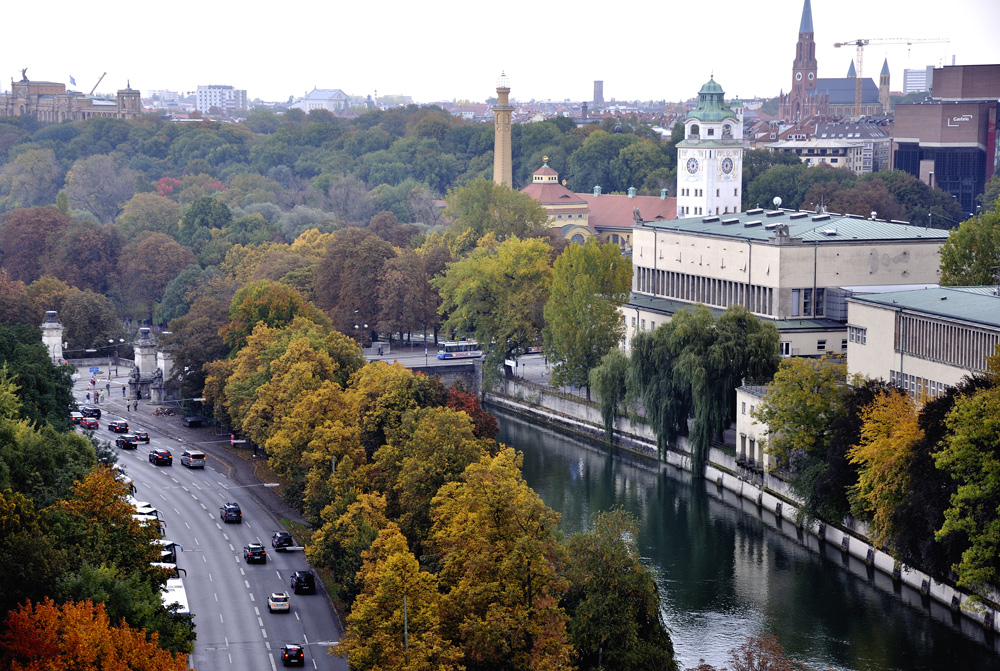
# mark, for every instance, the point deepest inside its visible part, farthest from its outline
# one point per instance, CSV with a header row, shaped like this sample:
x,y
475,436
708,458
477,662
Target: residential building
x,y
226,99
833,152
873,134
918,80
924,340
950,140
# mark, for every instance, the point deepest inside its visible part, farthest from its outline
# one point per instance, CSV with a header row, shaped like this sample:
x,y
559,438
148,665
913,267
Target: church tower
x,y
502,157
710,157
883,87
801,101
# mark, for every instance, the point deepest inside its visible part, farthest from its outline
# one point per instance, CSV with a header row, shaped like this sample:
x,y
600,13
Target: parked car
x,y
142,436
75,417
255,552
158,457
278,602
126,442
193,459
303,581
293,655
118,426
231,512
89,423
281,539
90,411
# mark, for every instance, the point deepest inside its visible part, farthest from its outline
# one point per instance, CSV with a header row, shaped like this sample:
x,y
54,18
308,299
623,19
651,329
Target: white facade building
x,y
332,100
226,98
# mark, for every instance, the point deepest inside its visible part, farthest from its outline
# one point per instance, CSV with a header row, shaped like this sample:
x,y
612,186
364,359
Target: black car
x,y
303,581
281,539
231,513
119,426
142,436
158,457
90,411
255,552
293,655
126,442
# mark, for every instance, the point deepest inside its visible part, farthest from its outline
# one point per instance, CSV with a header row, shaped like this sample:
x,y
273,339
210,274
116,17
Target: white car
x,y
278,601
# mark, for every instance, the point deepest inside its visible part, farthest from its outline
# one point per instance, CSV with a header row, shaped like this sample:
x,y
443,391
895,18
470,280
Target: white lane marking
x,y
204,559
230,655
297,616
256,611
177,511
305,638
231,547
220,619
226,536
196,541
242,572
187,525
210,579
204,506
163,497
185,488
216,595
175,480
279,574
314,664
251,597
263,633
194,497
271,659
247,583
260,623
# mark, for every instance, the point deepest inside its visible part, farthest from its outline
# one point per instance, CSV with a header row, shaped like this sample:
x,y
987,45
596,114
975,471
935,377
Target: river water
x,y
727,571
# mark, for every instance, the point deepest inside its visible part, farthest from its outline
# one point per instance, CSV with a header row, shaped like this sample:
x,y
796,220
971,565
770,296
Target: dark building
x,y
950,140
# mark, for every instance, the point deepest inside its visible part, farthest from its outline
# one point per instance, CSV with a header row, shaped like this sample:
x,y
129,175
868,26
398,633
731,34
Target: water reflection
x,y
727,570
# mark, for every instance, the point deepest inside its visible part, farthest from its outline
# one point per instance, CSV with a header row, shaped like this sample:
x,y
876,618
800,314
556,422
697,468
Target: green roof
x,y
976,305
806,26
711,104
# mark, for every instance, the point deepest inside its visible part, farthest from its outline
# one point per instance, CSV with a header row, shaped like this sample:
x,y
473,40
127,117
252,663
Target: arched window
x,y
577,238
695,131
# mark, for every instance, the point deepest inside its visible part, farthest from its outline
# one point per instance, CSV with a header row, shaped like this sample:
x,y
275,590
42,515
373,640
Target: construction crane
x,y
862,43
97,84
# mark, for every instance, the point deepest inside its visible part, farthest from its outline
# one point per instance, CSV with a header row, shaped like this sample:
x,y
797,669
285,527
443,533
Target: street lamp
x,y
360,333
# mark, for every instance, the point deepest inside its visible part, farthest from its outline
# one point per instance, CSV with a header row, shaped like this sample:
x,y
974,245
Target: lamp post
x,y
360,333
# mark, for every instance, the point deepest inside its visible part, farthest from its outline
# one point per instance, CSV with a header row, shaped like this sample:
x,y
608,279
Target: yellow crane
x,y
862,43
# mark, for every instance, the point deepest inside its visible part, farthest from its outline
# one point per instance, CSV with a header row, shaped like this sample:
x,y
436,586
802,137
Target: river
x,y
727,571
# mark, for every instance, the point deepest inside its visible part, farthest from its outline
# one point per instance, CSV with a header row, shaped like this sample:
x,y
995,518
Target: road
x,y
227,596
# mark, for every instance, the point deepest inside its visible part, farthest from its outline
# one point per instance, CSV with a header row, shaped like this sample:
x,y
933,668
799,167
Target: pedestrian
x,y
123,391
88,397
135,405
108,387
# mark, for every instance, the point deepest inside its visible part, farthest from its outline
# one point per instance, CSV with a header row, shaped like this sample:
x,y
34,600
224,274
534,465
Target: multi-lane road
x,y
227,596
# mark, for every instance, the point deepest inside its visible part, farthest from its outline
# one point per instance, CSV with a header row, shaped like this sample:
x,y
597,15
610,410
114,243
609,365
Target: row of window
x,y
707,290
857,334
642,325
802,302
953,344
915,386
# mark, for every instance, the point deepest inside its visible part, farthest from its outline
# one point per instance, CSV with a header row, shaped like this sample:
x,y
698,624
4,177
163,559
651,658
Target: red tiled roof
x,y
553,194
616,211
545,170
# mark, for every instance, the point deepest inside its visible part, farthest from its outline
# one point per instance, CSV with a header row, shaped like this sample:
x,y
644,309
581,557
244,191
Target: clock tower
x,y
710,157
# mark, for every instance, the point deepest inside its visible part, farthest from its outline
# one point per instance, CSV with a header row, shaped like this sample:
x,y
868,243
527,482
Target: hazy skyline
x,y
434,51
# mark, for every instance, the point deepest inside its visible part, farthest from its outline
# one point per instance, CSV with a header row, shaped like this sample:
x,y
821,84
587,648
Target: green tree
x,y
582,321
45,390
89,320
991,194
610,380
203,215
33,178
269,303
667,402
971,455
100,185
758,161
29,559
591,164
482,207
195,341
612,600
149,212
971,254
497,294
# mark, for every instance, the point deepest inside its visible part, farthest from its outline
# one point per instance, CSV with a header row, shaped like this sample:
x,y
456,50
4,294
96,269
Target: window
x,y
633,322
643,326
786,348
843,344
743,408
820,298
858,335
807,300
652,326
716,193
795,302
820,345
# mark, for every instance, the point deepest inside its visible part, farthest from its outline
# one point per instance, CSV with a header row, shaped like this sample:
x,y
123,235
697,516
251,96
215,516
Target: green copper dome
x,y
711,104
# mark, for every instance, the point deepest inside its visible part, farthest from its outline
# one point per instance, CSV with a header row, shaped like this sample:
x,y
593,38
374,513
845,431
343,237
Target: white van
x,y
193,459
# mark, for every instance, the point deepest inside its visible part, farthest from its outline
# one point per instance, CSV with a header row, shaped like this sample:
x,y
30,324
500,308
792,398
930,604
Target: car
x,y
126,442
231,512
278,602
89,423
281,539
118,426
255,552
75,417
293,655
303,581
157,457
193,459
90,411
142,436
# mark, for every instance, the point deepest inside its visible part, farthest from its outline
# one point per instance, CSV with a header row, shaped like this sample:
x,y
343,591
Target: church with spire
x,y
811,96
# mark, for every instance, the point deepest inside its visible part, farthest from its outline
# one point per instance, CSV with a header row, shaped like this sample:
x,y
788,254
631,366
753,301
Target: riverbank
x,y
771,496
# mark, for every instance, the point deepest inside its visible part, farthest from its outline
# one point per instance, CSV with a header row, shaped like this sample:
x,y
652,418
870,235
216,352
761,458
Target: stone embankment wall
x,y
769,494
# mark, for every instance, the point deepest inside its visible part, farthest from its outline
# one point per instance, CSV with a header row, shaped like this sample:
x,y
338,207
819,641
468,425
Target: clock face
x,y
727,165
798,76
812,76
692,165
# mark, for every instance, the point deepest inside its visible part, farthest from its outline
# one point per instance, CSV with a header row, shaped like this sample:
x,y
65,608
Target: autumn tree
x,y
269,303
889,435
497,294
500,569
395,621
100,185
149,212
482,206
141,283
16,304
971,254
582,322
406,298
84,255
24,236
612,601
78,636
347,532
89,320
194,340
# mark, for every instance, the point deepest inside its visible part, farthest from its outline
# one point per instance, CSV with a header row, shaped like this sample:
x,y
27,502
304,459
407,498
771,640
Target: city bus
x,y
461,349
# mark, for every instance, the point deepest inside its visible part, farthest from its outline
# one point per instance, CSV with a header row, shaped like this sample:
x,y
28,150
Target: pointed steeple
x,y
851,72
885,67
806,26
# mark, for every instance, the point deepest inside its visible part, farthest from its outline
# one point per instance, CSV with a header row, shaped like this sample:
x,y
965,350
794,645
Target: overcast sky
x,y
433,50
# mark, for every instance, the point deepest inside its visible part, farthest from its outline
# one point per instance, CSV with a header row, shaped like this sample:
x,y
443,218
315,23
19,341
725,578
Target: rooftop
x,y
975,305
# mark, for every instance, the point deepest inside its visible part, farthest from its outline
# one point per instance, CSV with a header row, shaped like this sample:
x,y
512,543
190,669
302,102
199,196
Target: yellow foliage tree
x,y
889,435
